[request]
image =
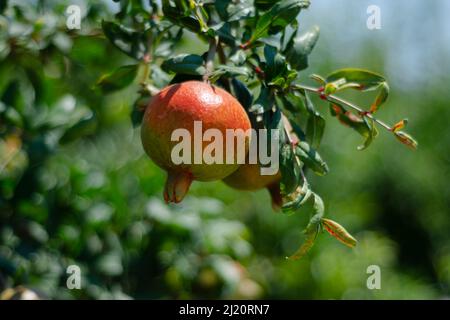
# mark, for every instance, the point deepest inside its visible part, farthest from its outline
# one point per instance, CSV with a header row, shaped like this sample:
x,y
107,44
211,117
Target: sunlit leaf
x,y
300,47
361,79
234,11
229,71
318,78
278,17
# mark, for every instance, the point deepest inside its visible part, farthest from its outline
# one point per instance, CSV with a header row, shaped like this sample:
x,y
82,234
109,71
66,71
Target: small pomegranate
x,y
178,106
248,177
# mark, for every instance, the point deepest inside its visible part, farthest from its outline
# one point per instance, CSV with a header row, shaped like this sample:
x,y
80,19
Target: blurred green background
x,y
77,188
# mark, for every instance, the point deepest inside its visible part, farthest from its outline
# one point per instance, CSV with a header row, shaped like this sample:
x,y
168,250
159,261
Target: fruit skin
x,y
178,106
248,177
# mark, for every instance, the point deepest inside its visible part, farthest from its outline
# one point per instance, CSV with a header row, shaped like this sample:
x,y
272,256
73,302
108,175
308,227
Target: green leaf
x,y
300,47
319,79
191,64
263,103
275,63
264,5
84,127
372,134
312,229
311,158
118,79
275,123
293,103
229,71
182,13
308,242
134,44
339,232
234,10
293,201
238,58
316,124
278,17
356,78
225,35
290,170
242,93
381,97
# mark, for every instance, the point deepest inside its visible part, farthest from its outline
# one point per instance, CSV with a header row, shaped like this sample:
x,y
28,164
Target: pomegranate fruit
x,y
179,106
248,177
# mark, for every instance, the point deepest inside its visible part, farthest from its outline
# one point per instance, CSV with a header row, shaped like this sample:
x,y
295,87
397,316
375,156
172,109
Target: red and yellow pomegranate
x,y
248,177
179,106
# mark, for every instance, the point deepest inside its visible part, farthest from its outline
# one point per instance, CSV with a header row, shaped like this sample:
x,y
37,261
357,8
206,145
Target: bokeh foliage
x,y
76,187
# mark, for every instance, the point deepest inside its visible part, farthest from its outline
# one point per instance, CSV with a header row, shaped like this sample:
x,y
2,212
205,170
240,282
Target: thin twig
x,y
146,60
210,58
333,98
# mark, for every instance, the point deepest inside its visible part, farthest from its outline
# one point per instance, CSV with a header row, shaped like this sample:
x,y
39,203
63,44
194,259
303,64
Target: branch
x,y
210,58
333,98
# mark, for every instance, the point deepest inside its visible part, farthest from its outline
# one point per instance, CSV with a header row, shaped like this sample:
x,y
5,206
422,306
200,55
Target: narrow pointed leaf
x,y
399,125
118,79
307,244
290,171
339,232
300,47
191,64
130,42
311,158
318,78
406,139
381,97
296,199
242,93
371,135
365,80
359,124
278,17
312,229
316,124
